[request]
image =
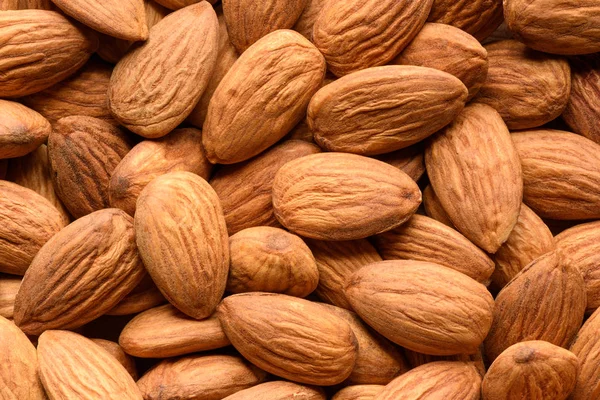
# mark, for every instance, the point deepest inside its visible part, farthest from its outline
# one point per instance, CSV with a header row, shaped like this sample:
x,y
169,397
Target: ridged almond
x,y
26,5
117,352
410,160
587,349
477,17
9,286
305,23
177,4
143,297
279,390
433,208
358,392
23,130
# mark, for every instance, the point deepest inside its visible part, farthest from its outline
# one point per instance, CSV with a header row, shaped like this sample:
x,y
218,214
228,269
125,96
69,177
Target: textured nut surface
x,y
305,23
411,160
278,390
9,286
117,352
358,392
143,297
478,17
22,130
26,5
177,4
433,207
587,349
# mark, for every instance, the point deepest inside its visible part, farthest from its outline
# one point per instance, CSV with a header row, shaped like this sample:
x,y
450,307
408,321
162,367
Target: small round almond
x,y
22,130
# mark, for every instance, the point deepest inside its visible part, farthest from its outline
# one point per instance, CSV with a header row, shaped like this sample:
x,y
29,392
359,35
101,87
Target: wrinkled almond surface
x,y
22,130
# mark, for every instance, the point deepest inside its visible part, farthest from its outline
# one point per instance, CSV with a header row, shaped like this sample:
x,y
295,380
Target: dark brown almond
x,y
23,130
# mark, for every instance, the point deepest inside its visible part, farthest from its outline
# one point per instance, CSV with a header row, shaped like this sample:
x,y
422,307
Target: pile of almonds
x,y
300,199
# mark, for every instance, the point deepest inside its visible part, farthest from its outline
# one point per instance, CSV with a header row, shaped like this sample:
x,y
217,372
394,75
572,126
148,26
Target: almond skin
x,y
354,35
278,390
22,131
26,5
79,274
148,93
422,306
531,370
177,4
416,359
304,25
433,208
358,392
410,160
477,17
309,199
117,352
9,286
240,125
383,109
143,297
182,238
475,172
587,349
289,337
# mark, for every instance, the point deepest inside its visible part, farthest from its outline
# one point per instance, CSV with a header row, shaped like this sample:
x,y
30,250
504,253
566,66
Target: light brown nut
x,y
338,196
279,390
451,50
535,370
433,208
9,286
26,5
424,239
80,273
181,150
83,152
587,349
206,377
72,366
166,332
267,259
117,352
449,380
411,160
143,297
177,4
530,307
182,238
382,109
306,21
22,129
422,306
555,26
475,171
561,174
477,17
282,334
244,189
47,51
526,87
358,34
28,222
150,91
358,392
280,73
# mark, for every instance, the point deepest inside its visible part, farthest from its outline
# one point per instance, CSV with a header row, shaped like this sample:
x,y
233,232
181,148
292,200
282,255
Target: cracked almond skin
x,y
182,238
555,26
143,297
72,366
279,390
475,172
410,160
206,377
587,349
525,310
40,48
181,150
479,18
80,273
29,221
244,189
358,392
280,72
117,352
164,331
526,87
451,50
383,109
149,91
9,286
355,34
310,199
22,130
449,380
290,337
84,152
424,239
535,370
561,174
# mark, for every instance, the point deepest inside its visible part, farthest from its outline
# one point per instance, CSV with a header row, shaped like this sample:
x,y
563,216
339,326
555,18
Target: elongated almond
x,y
278,390
23,130
117,352
587,349
477,17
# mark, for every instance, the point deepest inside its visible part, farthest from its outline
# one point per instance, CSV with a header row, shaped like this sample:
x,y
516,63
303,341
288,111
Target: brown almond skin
x,y
410,160
279,390
26,5
451,50
477,148
22,130
148,93
382,109
267,259
354,35
181,234
164,331
531,370
84,152
449,380
143,297
425,239
80,273
244,189
433,208
289,337
477,17
181,150
587,349
9,286
525,310
416,359
561,174
93,372
514,70
358,392
117,352
422,306
305,23
310,200
177,4
240,125
29,221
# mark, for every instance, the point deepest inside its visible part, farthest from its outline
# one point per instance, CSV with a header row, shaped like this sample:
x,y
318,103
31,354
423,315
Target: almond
x,y
587,349
177,4
23,130
433,208
143,297
358,392
26,5
410,160
278,390
416,359
477,17
280,72
9,286
305,23
117,352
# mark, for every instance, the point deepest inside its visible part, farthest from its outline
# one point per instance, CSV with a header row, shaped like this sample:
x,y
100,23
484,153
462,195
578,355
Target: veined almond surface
x,y
433,207
143,297
477,17
22,129
177,4
358,392
26,5
279,390
410,160
587,349
305,23
117,352
9,286
416,359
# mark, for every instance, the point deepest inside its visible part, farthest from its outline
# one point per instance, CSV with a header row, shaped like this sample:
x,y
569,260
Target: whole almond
x,y
278,390
9,286
404,105
587,349
354,35
182,238
433,207
410,160
152,103
117,352
80,273
477,17
422,306
358,392
240,125
143,297
475,171
23,130
289,337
